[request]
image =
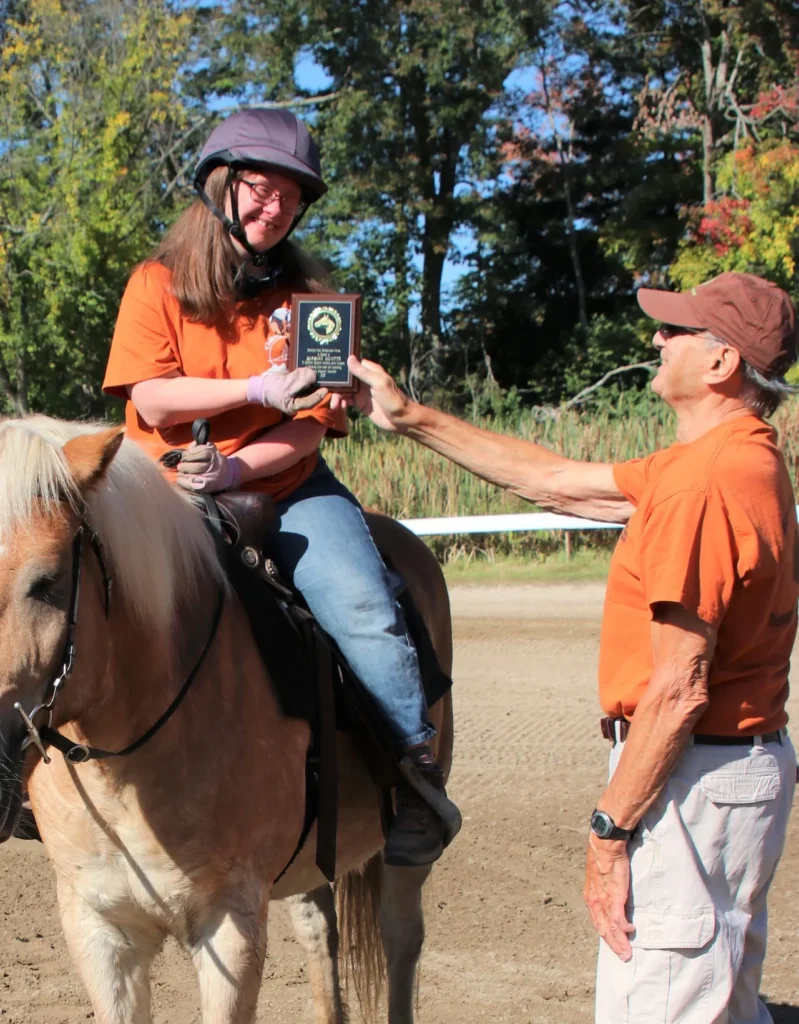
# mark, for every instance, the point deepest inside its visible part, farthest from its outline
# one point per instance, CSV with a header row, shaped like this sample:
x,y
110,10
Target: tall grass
x,y
408,481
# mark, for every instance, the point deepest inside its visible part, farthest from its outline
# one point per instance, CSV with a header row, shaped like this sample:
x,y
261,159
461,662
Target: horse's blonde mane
x,y
155,542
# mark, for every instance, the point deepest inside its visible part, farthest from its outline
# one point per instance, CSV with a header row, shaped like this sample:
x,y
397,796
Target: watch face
x,y
601,824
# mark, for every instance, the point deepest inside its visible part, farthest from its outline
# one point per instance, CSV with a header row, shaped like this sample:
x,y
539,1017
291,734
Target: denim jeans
x,y
324,547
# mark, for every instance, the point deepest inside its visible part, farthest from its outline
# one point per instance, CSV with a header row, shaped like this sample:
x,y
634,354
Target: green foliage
x,y
92,130
610,344
754,227
558,190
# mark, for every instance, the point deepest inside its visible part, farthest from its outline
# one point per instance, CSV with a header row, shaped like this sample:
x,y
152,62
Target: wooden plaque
x,y
325,330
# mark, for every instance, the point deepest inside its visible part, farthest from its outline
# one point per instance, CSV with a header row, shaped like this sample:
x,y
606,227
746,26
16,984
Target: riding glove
x,y
282,390
204,468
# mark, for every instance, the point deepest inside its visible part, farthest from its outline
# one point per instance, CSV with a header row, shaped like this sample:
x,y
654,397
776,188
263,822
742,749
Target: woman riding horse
x,y
201,333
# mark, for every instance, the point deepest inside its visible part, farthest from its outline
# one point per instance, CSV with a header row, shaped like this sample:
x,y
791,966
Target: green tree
x,y
706,62
755,226
93,134
416,90
635,110
548,302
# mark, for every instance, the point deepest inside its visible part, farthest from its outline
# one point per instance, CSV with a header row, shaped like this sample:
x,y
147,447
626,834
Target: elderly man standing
x,y
698,627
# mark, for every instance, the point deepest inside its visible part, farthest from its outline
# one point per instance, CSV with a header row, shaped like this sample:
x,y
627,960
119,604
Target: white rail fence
x,y
526,521
520,522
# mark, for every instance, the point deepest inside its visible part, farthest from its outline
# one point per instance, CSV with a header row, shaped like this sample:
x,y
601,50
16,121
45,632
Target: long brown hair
x,y
199,252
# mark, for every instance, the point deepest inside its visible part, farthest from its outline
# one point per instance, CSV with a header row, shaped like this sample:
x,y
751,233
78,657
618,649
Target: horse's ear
x,y
90,455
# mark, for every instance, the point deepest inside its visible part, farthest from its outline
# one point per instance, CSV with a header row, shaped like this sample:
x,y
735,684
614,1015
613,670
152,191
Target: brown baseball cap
x,y
745,311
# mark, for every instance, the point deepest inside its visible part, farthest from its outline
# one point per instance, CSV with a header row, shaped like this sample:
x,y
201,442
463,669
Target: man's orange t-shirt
x,y
715,531
153,338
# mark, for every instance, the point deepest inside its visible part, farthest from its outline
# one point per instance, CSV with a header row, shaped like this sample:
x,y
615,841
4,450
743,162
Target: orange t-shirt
x,y
153,337
715,531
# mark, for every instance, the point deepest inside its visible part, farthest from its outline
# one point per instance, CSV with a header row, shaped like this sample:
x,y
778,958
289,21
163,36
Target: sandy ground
x,y
508,938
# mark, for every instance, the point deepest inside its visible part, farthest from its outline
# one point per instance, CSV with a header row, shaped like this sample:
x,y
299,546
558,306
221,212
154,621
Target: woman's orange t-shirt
x,y
154,338
715,531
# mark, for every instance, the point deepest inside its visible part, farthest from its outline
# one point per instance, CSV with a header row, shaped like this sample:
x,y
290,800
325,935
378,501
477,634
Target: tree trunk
x,y
574,253
708,183
715,78
434,253
14,393
401,276
21,402
565,159
17,397
433,269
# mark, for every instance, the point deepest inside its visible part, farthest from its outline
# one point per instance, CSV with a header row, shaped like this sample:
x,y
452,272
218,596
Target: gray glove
x,y
204,468
282,390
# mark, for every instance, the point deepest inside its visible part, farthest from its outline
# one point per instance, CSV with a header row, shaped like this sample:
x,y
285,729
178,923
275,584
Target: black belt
x,y
616,730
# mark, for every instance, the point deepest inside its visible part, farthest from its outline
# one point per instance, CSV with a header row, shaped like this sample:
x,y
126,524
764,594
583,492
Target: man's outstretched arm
x,y
530,470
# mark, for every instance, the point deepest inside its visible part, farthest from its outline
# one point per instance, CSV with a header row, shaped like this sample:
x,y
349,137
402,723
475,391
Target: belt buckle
x,y
614,729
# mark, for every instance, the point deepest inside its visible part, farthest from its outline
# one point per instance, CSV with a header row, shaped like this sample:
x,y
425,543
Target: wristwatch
x,y
604,827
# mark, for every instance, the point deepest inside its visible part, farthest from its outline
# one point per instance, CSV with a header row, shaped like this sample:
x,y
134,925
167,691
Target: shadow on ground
x,y
783,1013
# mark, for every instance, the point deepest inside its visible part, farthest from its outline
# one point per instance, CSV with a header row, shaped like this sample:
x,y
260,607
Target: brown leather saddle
x,y
311,677
241,523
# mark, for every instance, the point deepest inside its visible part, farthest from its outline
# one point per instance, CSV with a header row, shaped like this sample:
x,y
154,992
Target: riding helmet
x,y
264,138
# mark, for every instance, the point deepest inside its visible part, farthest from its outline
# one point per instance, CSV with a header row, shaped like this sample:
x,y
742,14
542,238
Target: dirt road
x,y
508,939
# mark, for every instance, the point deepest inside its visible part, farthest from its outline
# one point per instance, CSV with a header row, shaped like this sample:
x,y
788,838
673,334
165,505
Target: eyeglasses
x,y
668,331
265,195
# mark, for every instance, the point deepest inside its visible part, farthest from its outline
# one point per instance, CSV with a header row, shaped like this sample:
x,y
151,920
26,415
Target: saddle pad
x,y
289,662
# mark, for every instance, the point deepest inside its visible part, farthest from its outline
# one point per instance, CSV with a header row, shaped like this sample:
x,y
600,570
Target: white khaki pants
x,y
701,866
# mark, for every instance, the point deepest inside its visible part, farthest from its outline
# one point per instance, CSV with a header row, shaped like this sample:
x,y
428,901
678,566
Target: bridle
x,y
77,753
42,736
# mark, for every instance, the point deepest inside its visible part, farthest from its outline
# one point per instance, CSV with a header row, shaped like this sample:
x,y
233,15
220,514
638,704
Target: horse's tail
x,y
363,962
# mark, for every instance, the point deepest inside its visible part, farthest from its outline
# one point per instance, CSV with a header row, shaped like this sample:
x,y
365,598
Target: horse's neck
x,y
146,670
191,789
229,709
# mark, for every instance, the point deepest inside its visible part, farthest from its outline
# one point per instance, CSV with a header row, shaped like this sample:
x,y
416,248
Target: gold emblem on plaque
x,y
324,324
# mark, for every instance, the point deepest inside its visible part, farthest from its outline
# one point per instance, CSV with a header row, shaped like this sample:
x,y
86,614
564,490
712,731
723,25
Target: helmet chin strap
x,y
251,281
235,229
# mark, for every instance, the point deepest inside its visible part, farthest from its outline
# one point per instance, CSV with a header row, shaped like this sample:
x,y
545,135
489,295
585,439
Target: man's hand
x,y
204,468
381,400
607,884
287,392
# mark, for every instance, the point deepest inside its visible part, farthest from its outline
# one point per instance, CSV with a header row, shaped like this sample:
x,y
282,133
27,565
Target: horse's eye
x,y
45,588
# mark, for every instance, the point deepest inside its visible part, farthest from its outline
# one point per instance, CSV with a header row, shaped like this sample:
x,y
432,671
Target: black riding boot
x,y
425,820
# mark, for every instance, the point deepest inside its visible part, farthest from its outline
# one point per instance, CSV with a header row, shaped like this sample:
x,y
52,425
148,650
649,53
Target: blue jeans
x,y
324,547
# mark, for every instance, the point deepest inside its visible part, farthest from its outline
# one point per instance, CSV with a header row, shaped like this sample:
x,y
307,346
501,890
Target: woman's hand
x,y
204,468
284,391
381,400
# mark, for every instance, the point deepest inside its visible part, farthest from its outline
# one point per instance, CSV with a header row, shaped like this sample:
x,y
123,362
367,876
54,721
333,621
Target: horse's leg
x,y
114,964
229,958
314,918
402,929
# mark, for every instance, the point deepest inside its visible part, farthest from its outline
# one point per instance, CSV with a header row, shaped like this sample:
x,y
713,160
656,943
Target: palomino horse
x,y
185,834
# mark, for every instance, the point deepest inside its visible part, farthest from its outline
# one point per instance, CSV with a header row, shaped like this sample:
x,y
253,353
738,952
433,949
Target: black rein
x,y
78,753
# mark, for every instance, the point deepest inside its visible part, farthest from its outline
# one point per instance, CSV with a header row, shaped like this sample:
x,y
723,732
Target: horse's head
x,y
44,568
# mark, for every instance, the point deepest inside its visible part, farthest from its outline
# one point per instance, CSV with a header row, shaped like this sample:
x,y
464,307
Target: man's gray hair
x,y
763,395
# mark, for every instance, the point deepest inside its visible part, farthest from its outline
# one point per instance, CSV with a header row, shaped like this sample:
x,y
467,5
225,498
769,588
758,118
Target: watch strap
x,y
616,832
